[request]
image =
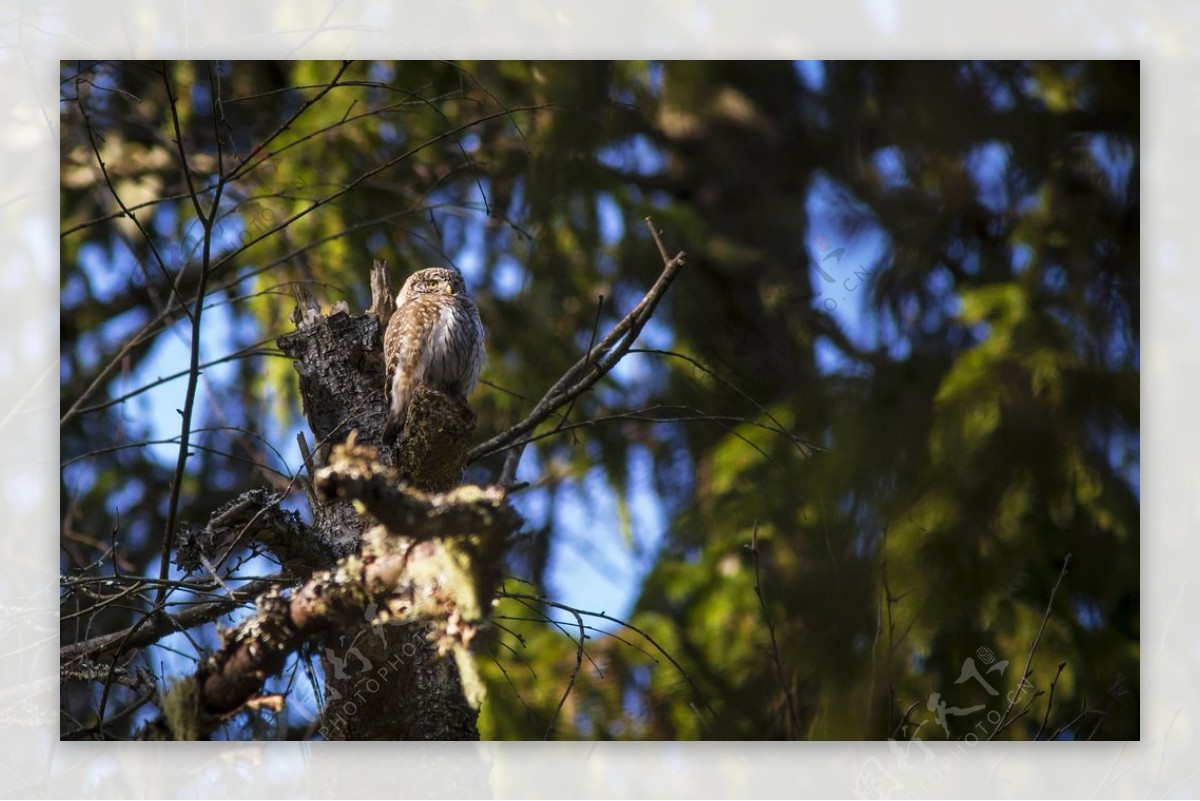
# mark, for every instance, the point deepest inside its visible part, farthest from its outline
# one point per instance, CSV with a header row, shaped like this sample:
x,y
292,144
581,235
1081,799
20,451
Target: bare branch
x,y
297,114
125,210
255,514
205,219
793,720
1049,702
1113,690
594,365
646,415
386,582
249,351
805,448
141,634
355,473
624,624
1012,697
194,361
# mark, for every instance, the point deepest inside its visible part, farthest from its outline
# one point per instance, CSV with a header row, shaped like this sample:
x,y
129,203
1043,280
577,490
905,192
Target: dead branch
x,y
1049,702
383,300
254,516
544,601
155,627
594,365
1026,671
793,719
403,579
355,473
340,362
259,647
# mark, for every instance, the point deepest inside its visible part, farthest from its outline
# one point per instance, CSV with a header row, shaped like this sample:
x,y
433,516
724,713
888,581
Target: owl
x,y
434,338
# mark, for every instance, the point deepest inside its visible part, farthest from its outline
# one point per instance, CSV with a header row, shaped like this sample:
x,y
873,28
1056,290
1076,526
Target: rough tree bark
x,y
383,682
393,607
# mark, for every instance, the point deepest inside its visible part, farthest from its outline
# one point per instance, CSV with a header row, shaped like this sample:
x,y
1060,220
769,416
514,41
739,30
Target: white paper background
x,y
34,36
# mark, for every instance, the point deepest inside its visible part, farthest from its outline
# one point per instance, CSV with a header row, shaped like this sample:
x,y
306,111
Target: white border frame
x,y
35,36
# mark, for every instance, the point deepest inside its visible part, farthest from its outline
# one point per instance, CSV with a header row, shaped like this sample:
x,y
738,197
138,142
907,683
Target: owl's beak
x,y
447,289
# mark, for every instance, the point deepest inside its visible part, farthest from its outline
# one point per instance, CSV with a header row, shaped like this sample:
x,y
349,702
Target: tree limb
x,y
448,584
255,516
594,365
355,473
139,636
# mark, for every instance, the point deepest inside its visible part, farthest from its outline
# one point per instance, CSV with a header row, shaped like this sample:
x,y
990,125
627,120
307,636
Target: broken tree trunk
x,y
384,681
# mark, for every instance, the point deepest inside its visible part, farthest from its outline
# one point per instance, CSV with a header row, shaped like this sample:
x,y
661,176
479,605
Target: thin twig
x,y
1085,710
644,415
559,623
205,448
624,624
801,445
1012,697
1024,711
137,636
762,603
596,363
528,712
244,353
297,114
125,210
1049,701
574,676
566,415
205,219
905,719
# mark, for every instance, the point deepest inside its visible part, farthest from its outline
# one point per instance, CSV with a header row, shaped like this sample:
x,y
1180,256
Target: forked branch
x,y
591,367
436,559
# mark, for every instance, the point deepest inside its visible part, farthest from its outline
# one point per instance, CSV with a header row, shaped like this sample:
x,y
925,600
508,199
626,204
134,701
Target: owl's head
x,y
432,281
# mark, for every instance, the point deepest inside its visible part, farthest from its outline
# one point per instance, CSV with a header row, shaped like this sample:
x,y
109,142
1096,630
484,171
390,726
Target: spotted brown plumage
x,y
435,338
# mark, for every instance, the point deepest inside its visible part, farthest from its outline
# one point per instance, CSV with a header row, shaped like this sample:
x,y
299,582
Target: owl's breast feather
x,y
455,339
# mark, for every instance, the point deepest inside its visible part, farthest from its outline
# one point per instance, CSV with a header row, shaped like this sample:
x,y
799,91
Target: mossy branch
x,y
434,559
